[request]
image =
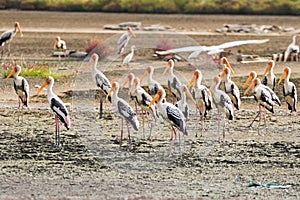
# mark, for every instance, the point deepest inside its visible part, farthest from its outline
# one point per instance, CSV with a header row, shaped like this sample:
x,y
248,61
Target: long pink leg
x,y
128,132
219,125
143,121
101,103
259,119
121,131
57,139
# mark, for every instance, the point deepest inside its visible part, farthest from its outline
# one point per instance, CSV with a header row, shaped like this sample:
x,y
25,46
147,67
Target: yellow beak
x,y
247,81
283,75
42,86
155,98
11,73
249,88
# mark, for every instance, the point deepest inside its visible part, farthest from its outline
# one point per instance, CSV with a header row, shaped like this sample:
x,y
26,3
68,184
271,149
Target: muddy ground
x,y
90,163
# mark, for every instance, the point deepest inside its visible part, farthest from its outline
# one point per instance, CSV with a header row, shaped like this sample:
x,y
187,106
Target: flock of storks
x,y
223,92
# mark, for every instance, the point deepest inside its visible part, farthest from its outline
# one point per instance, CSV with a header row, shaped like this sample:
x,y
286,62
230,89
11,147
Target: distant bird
x,y
129,56
123,109
101,80
252,76
153,85
201,96
60,44
269,76
182,103
222,102
7,36
263,97
58,107
292,48
143,99
21,86
124,39
174,84
289,90
230,88
170,113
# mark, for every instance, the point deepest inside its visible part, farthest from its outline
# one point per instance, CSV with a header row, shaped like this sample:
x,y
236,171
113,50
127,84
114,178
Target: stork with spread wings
x,y
196,50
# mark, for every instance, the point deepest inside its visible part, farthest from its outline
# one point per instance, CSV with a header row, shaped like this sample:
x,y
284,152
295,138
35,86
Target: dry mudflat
x,y
91,164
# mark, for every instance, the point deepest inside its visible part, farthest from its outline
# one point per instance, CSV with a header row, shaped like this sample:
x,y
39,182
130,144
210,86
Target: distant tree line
x,y
273,7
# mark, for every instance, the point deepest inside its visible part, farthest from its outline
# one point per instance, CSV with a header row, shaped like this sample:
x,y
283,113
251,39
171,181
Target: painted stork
x,y
263,97
201,96
129,82
223,103
153,85
269,76
129,56
289,90
60,45
124,109
100,79
230,88
292,48
226,63
182,103
143,99
252,76
124,39
21,86
7,36
170,113
174,84
58,107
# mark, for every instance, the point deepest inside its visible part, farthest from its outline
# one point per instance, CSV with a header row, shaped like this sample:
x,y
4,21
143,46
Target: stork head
x,y
270,65
114,86
46,82
185,90
196,75
14,70
129,29
285,72
226,71
17,25
135,82
225,62
169,66
56,41
251,76
129,80
148,70
93,59
254,83
157,97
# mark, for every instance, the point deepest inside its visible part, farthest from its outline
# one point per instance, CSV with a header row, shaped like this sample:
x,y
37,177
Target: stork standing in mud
x,y
289,91
143,99
201,96
124,109
21,87
170,113
174,84
58,107
7,37
222,102
274,97
101,80
230,88
263,98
